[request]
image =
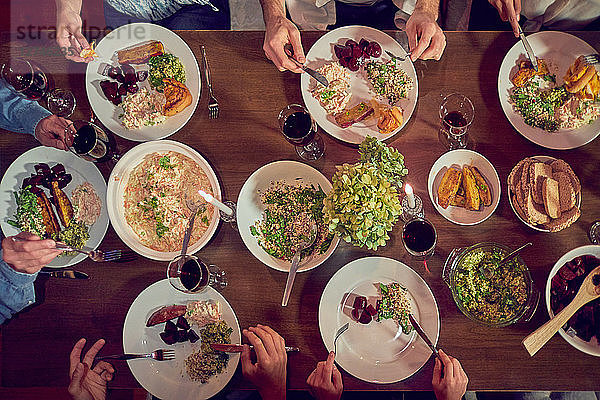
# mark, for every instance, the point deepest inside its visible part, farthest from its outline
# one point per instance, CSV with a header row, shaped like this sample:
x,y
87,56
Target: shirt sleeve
x,y
18,114
16,290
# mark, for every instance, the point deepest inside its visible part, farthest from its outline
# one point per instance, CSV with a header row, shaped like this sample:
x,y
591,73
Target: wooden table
x,y
251,92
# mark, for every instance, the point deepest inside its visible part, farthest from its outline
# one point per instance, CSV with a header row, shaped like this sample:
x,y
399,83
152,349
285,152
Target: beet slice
x,y
182,335
360,302
351,43
338,49
365,318
169,337
371,310
355,314
170,327
193,336
113,72
363,43
183,323
42,169
58,170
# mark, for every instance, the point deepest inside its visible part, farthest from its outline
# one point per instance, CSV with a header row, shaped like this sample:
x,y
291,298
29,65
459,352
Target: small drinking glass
x,y
456,116
88,141
300,129
189,274
419,237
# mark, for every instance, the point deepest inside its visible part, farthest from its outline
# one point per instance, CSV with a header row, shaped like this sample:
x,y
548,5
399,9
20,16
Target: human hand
x,y
52,131
86,383
279,32
29,254
453,384
68,34
269,371
325,382
509,10
425,37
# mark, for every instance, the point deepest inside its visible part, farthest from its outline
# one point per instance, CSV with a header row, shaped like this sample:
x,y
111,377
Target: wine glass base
x,y
312,151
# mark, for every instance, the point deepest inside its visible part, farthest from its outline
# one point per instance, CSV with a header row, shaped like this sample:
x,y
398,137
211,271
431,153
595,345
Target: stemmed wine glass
x,y
29,80
90,142
300,129
419,238
190,274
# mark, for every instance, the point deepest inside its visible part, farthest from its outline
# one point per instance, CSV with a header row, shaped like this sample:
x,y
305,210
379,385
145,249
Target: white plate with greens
x,y
322,52
559,50
169,379
377,352
80,170
126,36
250,209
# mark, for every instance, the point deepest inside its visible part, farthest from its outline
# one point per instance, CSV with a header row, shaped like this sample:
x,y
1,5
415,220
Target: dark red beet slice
x,y
109,89
113,72
35,180
132,88
351,43
120,78
338,49
346,52
64,180
355,314
353,64
365,318
170,327
374,49
58,170
182,323
357,52
117,100
182,336
193,336
371,310
122,89
141,76
363,43
360,302
169,337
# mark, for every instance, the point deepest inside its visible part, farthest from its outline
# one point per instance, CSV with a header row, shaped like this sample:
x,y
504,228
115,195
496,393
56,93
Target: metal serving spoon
x,y
303,244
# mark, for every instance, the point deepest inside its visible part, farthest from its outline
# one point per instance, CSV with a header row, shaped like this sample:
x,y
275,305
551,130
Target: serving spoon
x,y
587,292
487,272
304,243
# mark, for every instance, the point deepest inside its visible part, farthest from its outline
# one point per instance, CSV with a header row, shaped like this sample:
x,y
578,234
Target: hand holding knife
x,y
289,51
528,49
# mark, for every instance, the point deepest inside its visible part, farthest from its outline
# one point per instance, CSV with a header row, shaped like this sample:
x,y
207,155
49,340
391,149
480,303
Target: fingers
x,y
277,339
328,367
457,368
512,17
76,378
448,366
75,356
105,370
337,379
247,365
266,339
259,348
297,46
436,47
411,34
422,45
437,372
91,353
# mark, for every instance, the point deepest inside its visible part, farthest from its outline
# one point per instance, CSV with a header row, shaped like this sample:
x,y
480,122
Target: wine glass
x,y
189,274
300,129
456,116
90,142
419,238
29,80
594,232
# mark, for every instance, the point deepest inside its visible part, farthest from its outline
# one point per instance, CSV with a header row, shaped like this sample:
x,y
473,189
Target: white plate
x,y
81,171
168,380
536,227
377,352
560,49
125,36
322,52
116,190
592,347
250,208
458,158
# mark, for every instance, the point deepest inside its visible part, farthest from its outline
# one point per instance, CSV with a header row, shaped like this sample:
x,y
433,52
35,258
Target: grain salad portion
x,y
394,304
389,81
285,220
206,362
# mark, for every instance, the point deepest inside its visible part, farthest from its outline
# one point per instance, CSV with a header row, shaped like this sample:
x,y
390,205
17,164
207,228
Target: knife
x,y
65,273
237,348
319,77
423,335
528,49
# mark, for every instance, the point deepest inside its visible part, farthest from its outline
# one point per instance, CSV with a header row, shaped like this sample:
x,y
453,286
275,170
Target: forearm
x,y
272,9
431,7
18,114
68,5
16,290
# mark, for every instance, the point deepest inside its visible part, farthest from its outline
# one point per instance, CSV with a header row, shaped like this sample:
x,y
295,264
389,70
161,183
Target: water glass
x,y
456,116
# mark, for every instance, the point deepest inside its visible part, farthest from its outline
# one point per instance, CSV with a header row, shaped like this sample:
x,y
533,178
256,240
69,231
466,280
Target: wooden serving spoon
x,y
587,292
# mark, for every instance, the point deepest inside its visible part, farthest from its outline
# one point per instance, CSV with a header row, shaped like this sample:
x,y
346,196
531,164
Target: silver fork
x,y
213,105
339,332
158,355
101,256
592,59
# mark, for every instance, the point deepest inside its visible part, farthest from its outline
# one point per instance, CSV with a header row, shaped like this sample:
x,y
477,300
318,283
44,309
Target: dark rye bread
x,y
565,220
566,193
562,166
538,171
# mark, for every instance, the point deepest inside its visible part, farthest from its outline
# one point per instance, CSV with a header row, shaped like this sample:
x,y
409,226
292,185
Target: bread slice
x,y
566,193
537,171
550,196
485,191
562,166
519,209
449,186
514,178
525,175
565,220
535,214
471,192
521,196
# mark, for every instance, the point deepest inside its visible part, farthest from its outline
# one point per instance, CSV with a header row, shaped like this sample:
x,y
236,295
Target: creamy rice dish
x,y
144,108
334,97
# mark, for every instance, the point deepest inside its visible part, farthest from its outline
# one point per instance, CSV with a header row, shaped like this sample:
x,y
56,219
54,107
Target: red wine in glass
x,y
455,119
39,84
298,129
419,237
194,275
91,143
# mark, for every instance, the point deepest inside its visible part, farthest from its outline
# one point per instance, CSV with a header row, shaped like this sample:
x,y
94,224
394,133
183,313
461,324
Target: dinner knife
x,y
528,49
64,273
423,335
318,76
237,348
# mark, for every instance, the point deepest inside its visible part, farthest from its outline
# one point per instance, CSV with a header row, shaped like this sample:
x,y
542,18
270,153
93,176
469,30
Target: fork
x,y
400,58
158,355
592,59
213,105
339,332
101,256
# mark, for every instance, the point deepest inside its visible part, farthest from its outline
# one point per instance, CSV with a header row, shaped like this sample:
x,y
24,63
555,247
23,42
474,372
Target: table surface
x,y
36,344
